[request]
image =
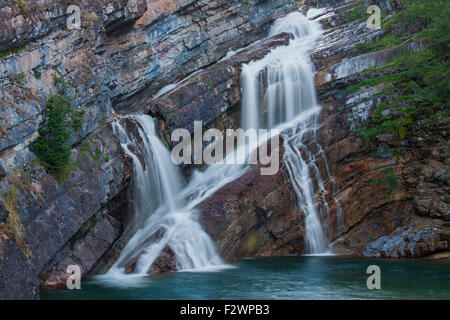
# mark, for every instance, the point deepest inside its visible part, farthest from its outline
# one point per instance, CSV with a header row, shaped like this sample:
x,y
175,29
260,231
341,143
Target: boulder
x,y
165,263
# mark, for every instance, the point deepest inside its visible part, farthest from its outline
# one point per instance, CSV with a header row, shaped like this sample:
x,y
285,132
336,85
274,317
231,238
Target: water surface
x,y
304,277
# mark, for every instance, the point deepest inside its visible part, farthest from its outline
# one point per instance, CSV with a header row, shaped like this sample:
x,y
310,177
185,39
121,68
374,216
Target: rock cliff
x,y
387,197
124,52
386,194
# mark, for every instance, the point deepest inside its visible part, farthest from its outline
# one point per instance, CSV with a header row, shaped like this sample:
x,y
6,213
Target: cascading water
x,y
165,211
165,219
279,92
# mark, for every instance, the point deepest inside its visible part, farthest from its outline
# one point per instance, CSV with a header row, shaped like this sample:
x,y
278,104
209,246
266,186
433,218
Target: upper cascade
x,y
280,86
279,92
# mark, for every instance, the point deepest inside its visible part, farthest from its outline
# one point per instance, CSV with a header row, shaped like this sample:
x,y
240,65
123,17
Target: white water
x,y
163,215
279,90
165,207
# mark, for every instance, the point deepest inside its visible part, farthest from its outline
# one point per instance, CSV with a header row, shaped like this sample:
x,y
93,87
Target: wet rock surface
x,y
380,203
255,215
165,263
85,250
209,93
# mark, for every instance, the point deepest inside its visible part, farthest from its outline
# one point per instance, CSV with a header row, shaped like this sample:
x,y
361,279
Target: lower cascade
x,y
168,222
166,218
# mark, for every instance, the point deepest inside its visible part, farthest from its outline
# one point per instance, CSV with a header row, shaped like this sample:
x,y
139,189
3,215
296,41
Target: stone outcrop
x,y
165,263
16,277
386,199
72,220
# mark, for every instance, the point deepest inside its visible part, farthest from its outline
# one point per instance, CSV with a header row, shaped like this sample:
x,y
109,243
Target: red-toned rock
x,y
165,263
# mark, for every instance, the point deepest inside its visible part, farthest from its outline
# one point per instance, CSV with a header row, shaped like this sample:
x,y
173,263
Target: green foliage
x,y
209,83
358,12
11,51
37,73
389,179
19,77
431,19
61,84
422,84
375,81
388,41
52,146
4,53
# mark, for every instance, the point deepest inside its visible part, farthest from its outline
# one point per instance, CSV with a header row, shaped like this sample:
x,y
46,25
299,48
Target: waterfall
x,y
165,218
279,92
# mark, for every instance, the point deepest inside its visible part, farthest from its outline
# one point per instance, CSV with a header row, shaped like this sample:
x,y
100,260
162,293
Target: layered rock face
x,y
124,52
71,221
386,199
391,192
381,202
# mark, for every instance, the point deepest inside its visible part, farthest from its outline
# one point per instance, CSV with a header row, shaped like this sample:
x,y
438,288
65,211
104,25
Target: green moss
x,y
4,53
209,83
64,173
358,12
387,42
11,51
98,152
389,179
375,81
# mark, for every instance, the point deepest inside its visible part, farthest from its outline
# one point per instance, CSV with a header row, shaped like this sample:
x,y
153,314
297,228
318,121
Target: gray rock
x,y
17,280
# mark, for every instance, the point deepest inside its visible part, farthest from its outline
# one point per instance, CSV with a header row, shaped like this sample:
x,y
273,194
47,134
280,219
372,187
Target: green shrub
x,y
52,145
19,77
37,73
422,81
